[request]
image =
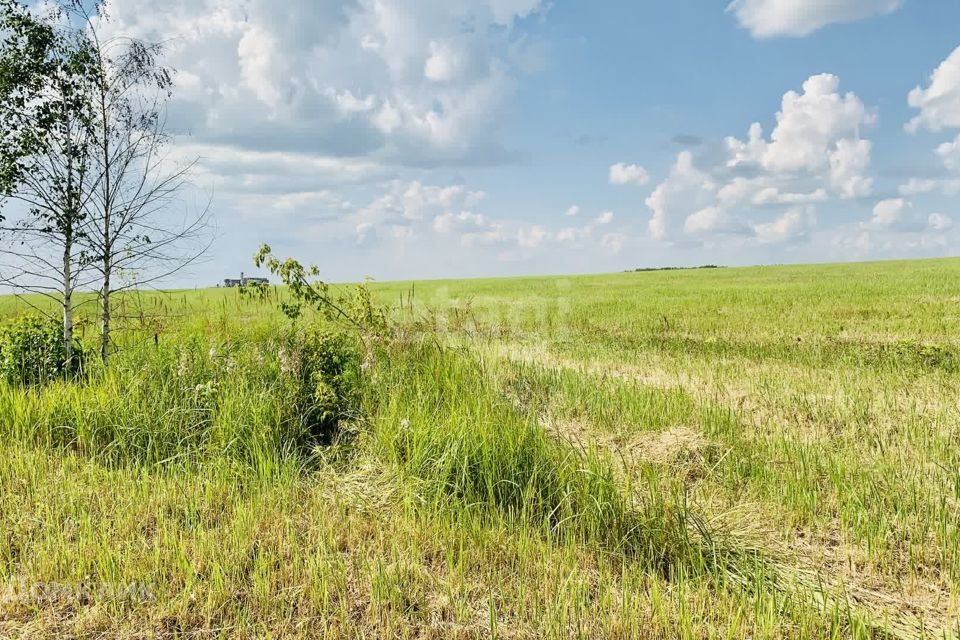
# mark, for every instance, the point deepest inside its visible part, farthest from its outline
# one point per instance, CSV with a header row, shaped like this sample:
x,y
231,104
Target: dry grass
x,y
678,455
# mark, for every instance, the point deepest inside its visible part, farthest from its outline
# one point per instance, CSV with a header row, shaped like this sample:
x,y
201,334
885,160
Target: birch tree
x,y
46,68
136,219
84,148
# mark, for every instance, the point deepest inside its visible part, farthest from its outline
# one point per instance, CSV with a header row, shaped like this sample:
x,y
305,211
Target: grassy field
x,y
767,452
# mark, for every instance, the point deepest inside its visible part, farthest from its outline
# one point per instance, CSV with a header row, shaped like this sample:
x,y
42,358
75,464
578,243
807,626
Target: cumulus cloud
x,y
771,18
848,163
939,103
949,153
939,222
792,226
899,215
685,191
939,108
817,132
893,228
814,154
634,174
382,79
604,218
465,220
363,231
713,221
573,211
412,214
613,242
889,213
417,201
245,174
532,237
444,63
949,185
916,186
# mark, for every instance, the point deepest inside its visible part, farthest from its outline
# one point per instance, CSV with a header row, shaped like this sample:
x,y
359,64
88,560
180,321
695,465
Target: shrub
x,y
32,352
322,368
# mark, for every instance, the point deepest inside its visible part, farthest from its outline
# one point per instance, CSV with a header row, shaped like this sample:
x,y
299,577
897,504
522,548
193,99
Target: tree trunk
x,y
68,303
107,240
69,220
105,313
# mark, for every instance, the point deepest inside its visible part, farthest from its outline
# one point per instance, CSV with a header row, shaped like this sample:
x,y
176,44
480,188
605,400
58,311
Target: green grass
x,y
766,452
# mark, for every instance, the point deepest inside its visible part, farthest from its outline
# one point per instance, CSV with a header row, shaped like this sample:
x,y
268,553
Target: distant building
x,y
244,281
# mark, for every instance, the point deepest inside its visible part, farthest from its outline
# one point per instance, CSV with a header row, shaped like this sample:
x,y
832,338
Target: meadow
x,y
768,452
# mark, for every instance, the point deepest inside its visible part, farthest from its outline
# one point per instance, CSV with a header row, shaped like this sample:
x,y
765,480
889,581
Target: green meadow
x,y
768,452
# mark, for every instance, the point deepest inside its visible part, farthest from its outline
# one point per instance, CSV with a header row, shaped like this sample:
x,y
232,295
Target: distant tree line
x,y
87,179
705,266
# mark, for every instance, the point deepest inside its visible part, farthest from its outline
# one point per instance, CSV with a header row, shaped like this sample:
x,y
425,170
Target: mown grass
x,y
760,453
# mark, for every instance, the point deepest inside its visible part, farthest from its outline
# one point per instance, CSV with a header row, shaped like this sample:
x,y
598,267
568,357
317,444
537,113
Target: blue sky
x,y
447,138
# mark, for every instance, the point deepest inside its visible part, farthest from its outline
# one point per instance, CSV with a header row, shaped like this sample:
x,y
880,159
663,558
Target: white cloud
x,y
414,214
939,103
814,155
506,11
444,63
939,222
246,173
399,81
916,186
949,153
573,234
761,191
939,106
792,226
573,211
816,131
896,215
363,230
772,195
771,18
895,230
416,201
889,213
848,163
685,191
713,221
462,222
492,235
604,218
532,237
634,174
613,242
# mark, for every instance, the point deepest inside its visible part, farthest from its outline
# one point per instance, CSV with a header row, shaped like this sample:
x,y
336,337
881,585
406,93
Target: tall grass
x,y
644,455
179,403
441,416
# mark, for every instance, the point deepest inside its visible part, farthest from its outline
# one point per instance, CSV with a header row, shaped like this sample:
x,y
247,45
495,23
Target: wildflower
x,y
286,361
405,424
208,389
183,366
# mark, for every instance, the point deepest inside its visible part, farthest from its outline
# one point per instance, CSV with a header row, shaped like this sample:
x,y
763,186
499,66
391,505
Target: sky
x,y
399,139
